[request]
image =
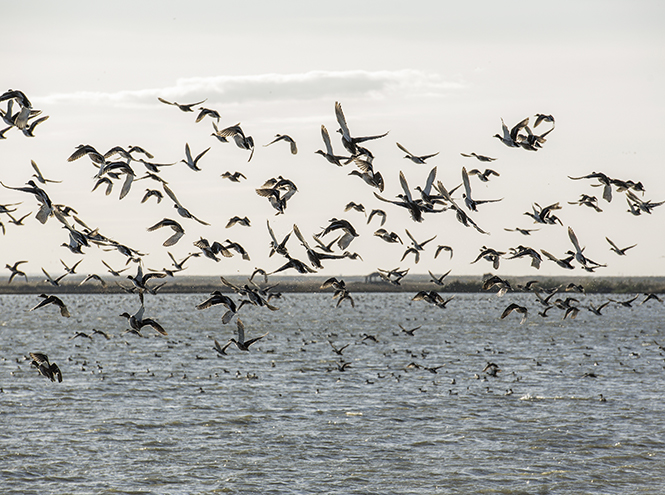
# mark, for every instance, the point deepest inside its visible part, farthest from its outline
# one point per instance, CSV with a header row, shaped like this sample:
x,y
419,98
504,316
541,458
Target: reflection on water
x,y
409,414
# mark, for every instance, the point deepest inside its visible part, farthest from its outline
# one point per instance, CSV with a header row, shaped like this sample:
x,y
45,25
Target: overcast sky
x,y
439,76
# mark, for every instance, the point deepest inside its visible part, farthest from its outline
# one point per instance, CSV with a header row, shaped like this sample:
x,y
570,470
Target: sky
x,y
438,76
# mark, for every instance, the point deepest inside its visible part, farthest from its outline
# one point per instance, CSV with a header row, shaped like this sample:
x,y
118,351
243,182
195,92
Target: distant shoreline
x,y
304,284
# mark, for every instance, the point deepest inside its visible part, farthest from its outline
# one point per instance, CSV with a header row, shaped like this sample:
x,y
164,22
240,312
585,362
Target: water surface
x,y
167,415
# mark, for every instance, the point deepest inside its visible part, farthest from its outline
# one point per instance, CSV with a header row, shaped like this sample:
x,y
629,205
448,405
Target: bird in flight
x,y
420,160
46,300
185,107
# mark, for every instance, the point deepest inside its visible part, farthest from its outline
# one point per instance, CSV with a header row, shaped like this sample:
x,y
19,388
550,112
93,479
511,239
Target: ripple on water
x,y
166,415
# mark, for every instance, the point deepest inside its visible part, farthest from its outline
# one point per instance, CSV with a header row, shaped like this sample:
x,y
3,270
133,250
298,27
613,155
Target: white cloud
x,y
272,87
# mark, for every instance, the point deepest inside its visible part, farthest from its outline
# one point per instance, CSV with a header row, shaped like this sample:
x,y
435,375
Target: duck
x,y
341,291
115,273
510,138
235,131
15,271
563,263
355,206
597,310
440,248
350,143
86,149
46,209
390,237
294,263
406,200
616,249
149,193
496,281
491,255
275,246
18,221
237,248
579,256
521,251
485,175
140,279
625,304
419,160
93,276
72,270
182,211
288,139
543,118
604,180
372,179
316,257
343,225
432,297
177,229
387,275
46,300
233,177
221,350
38,175
192,162
338,350
55,282
216,297
236,220
137,322
46,368
410,331
207,112
470,203
649,296
518,309
29,129
481,158
491,369
329,154
212,250
185,107
586,200
521,231
379,213
438,280
240,342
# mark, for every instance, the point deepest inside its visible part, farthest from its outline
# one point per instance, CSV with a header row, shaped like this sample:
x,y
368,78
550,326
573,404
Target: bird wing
x,y
430,181
467,184
339,114
174,238
404,149
300,237
573,239
405,186
152,323
200,155
326,139
616,248
512,307
550,256
240,330
170,194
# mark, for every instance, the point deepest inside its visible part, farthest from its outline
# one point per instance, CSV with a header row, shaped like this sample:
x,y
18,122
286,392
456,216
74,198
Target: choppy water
x,y
166,415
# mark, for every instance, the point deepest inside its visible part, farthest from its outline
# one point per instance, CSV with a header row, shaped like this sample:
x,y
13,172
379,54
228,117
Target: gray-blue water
x,y
166,415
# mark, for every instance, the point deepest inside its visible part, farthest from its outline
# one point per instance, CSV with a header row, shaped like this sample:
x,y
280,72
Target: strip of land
x,y
312,283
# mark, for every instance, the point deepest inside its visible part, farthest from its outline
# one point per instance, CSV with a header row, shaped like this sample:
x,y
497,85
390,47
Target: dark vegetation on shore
x,y
413,283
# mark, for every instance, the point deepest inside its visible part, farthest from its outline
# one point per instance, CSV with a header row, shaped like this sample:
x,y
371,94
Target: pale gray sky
x,y
438,75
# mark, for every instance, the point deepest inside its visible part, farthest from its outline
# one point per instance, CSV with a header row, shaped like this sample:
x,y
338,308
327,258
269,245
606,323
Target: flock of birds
x,y
117,168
